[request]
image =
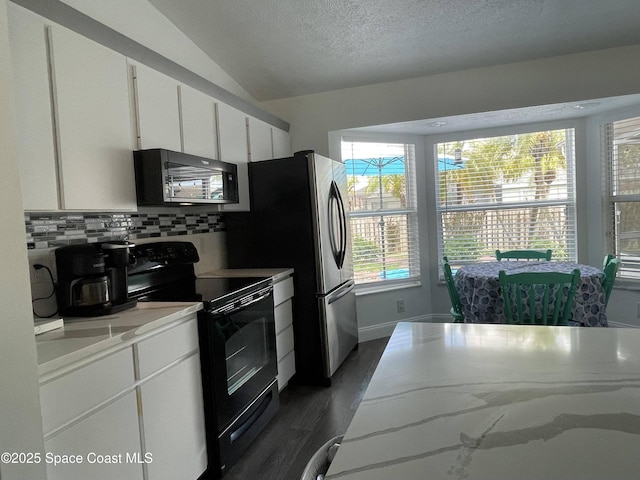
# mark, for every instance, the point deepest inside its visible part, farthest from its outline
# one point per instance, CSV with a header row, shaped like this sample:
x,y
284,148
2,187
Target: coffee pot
x,y
92,279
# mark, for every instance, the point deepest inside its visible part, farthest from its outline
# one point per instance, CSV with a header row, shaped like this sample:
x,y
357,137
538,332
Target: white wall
x,y
20,421
597,74
602,73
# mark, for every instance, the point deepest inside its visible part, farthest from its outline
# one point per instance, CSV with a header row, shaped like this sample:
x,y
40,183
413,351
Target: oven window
x,y
246,346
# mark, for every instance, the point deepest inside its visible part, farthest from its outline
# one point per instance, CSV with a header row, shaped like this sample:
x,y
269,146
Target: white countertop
x,y
498,402
276,273
81,338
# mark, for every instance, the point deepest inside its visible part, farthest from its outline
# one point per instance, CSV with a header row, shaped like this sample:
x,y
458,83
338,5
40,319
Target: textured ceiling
x,y
285,48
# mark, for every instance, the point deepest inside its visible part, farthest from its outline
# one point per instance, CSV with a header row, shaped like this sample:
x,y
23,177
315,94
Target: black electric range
x,y
236,331
164,272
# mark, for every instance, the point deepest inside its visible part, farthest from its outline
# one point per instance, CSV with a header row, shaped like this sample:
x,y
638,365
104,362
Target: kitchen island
x,y
466,401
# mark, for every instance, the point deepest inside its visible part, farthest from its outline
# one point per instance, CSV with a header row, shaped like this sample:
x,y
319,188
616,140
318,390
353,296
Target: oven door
x,y
239,352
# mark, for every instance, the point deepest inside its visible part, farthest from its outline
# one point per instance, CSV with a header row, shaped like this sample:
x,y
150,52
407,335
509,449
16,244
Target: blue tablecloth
x,y
481,299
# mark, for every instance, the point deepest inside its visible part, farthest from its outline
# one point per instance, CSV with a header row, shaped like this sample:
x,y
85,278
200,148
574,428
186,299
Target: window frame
x,y
467,135
412,169
609,220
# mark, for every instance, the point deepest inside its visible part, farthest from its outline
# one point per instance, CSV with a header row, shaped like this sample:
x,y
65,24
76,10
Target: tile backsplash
x,y
45,230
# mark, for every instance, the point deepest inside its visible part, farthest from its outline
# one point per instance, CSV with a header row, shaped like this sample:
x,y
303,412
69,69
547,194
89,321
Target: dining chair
x,y
610,271
456,306
524,255
607,258
539,298
319,463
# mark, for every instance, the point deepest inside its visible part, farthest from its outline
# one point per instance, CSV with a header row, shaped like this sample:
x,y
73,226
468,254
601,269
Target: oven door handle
x,y
240,304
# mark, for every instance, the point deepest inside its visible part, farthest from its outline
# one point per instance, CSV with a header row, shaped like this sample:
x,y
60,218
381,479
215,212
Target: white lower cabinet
x,y
106,444
282,295
136,414
172,405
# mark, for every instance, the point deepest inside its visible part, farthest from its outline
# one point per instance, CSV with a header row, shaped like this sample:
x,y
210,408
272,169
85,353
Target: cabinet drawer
x,y
283,316
282,291
111,431
284,342
286,369
70,395
166,347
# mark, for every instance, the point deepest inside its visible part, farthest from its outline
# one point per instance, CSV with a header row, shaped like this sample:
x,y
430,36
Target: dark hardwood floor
x,y
308,417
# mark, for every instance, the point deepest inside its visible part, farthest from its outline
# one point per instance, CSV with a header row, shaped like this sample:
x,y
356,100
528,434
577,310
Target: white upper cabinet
x,y
157,108
232,133
260,144
91,97
232,127
281,143
35,143
199,126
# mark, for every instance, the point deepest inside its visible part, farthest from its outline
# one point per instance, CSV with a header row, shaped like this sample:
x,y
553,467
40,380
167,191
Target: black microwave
x,y
164,177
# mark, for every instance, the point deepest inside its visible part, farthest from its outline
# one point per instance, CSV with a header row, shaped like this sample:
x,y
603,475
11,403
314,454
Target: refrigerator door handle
x,y
335,203
348,286
343,229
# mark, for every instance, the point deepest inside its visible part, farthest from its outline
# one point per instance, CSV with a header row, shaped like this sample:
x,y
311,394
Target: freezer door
x,y
326,223
339,325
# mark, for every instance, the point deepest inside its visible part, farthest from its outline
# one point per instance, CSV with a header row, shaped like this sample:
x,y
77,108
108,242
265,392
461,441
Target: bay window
x,y
383,211
506,192
621,159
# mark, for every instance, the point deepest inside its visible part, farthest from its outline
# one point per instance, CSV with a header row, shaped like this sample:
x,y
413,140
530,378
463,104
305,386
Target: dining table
x,y
480,295
499,402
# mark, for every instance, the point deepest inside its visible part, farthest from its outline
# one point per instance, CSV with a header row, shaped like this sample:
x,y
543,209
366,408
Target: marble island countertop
x,y
463,401
80,338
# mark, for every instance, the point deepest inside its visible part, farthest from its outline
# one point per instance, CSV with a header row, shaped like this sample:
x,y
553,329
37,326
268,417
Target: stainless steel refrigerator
x,y
298,219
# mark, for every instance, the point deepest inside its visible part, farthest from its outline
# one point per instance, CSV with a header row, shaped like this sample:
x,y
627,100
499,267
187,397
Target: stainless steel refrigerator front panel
x,y
328,273
340,325
340,178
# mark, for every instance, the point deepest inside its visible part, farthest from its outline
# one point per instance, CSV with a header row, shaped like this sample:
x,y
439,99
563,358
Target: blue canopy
x,y
390,166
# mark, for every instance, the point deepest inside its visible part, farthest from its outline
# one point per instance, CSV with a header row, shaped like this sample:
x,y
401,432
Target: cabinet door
x,y
94,124
173,419
199,132
260,145
232,132
157,111
35,144
281,143
112,431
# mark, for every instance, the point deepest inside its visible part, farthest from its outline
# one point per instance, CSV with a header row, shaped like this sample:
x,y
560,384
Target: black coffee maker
x,y
92,279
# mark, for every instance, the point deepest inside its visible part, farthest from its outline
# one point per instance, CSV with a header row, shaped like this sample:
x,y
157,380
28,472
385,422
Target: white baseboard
x,y
383,330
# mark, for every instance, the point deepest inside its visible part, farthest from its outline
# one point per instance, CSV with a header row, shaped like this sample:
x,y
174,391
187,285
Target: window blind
x,y
383,210
509,192
621,160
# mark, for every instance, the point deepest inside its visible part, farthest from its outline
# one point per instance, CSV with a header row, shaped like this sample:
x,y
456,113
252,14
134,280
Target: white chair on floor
x,y
320,461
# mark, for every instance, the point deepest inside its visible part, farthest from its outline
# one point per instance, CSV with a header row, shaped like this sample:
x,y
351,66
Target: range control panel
x,y
148,256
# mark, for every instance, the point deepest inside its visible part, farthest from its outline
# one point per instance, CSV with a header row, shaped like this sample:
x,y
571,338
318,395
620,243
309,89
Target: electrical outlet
x,y
400,305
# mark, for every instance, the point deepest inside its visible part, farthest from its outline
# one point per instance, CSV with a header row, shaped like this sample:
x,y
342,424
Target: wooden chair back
x,y
524,255
538,298
456,306
610,272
